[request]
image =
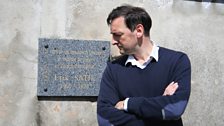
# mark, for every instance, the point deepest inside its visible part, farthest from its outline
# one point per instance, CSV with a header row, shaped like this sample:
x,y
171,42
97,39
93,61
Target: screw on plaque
x,y
45,89
103,48
46,46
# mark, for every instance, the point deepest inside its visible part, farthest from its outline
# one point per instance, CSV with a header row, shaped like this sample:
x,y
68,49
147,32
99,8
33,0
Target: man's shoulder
x,y
121,59
170,52
116,63
172,56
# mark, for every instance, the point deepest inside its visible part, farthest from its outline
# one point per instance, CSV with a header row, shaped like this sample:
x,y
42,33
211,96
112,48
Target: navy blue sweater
x,y
145,87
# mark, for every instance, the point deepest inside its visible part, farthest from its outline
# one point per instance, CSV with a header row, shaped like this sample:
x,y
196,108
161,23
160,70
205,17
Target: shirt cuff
x,y
126,104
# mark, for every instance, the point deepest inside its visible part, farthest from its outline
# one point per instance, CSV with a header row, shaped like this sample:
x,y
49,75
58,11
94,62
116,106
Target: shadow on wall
x,y
67,98
212,1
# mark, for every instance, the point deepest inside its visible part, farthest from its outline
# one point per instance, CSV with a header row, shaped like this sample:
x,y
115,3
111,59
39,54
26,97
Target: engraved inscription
x,y
84,78
71,67
61,77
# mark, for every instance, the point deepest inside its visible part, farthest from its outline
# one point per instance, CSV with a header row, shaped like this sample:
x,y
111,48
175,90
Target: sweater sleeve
x,y
166,107
107,99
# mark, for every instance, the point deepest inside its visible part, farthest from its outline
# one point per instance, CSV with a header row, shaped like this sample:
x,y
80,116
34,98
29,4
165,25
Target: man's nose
x,y
114,41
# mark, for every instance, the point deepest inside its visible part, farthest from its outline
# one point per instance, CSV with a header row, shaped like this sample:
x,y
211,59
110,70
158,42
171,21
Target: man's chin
x,y
125,52
122,52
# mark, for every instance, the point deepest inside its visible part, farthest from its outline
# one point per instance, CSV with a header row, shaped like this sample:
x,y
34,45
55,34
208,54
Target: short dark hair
x,y
132,16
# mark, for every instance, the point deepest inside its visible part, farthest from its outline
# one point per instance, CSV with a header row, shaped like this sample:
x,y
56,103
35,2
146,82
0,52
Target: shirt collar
x,y
155,52
153,55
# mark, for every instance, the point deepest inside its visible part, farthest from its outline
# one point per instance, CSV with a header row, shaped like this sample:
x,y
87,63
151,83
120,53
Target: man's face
x,y
122,37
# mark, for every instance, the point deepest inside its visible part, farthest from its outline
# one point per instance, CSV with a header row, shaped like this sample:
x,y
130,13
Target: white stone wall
x,y
193,27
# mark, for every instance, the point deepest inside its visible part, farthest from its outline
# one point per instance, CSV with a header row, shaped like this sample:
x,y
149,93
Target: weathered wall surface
x,y
193,27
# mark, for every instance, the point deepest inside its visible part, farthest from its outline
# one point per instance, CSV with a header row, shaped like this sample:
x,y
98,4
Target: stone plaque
x,y
71,67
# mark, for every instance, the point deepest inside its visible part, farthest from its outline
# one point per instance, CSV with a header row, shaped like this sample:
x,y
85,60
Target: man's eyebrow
x,y
116,33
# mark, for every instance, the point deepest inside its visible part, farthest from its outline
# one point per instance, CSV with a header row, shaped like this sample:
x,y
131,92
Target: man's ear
x,y
139,30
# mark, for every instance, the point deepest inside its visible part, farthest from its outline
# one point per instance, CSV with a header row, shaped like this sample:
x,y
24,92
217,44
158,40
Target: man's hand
x,y
120,105
170,89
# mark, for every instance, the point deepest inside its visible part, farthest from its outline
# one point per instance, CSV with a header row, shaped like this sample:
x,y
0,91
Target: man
x,y
148,85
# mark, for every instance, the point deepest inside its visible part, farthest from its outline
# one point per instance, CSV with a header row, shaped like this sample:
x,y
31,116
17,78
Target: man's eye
x,y
117,35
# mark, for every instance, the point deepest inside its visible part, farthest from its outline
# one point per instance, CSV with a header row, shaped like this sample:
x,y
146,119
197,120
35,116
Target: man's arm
x,y
165,107
170,90
107,98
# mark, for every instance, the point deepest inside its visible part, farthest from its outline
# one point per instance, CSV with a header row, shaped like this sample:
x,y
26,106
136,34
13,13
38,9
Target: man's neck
x,y
144,51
